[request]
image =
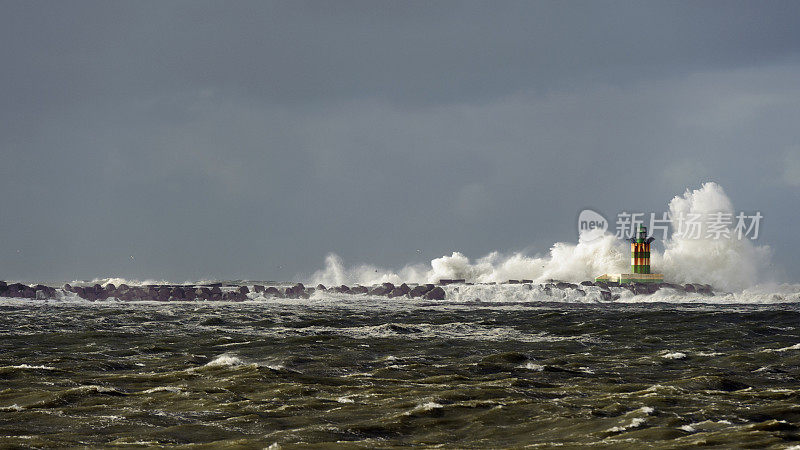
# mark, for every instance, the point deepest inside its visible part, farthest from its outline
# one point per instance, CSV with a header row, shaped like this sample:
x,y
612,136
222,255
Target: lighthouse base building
x,y
640,263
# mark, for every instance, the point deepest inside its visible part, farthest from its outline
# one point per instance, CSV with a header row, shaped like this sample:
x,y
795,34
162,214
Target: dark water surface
x,y
377,373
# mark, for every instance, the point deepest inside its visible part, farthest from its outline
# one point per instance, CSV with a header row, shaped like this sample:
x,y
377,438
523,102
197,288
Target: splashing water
x,y
726,263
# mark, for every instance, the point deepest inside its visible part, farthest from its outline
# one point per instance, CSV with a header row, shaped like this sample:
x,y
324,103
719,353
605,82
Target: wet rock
x,y
42,292
243,290
321,287
704,289
163,294
527,281
359,290
436,293
342,289
587,283
381,290
216,290
565,285
689,288
234,296
419,291
272,291
296,291
258,288
202,293
606,295
446,281
177,293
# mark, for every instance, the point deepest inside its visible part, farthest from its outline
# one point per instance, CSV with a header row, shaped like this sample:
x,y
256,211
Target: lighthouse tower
x,y
640,262
640,251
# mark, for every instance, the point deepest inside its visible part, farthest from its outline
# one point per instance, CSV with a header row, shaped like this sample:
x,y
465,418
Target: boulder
x,y
359,290
587,283
381,290
321,287
437,293
296,291
272,291
419,291
177,293
234,296
243,290
704,289
258,288
163,294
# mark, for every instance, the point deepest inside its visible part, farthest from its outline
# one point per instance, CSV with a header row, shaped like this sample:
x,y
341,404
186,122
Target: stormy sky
x,y
186,140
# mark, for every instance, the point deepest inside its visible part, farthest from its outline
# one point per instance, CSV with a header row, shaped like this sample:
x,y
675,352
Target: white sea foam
x,y
728,264
674,355
635,423
784,349
531,366
29,367
172,389
14,407
427,406
225,360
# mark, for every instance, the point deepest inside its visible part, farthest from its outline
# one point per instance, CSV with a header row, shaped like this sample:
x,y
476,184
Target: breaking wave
x,y
728,264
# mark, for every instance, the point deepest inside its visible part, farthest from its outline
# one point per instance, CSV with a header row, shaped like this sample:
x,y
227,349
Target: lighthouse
x,y
640,262
640,251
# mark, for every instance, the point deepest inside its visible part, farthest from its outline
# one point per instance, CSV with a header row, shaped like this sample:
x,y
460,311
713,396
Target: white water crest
x,y
727,263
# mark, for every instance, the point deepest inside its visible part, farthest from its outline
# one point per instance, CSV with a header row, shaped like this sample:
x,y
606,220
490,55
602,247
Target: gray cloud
x,y
247,140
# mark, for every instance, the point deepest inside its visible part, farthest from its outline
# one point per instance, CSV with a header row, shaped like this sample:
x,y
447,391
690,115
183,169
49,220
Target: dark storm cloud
x,y
249,139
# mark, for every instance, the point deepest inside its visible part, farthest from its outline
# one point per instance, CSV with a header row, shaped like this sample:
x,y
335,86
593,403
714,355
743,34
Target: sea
x,y
351,371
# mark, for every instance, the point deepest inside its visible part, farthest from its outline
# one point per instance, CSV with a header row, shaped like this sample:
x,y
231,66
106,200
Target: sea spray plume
x,y
335,273
726,262
730,264
569,262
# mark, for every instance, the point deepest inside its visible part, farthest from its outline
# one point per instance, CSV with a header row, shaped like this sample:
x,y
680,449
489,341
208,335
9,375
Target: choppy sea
x,y
378,373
